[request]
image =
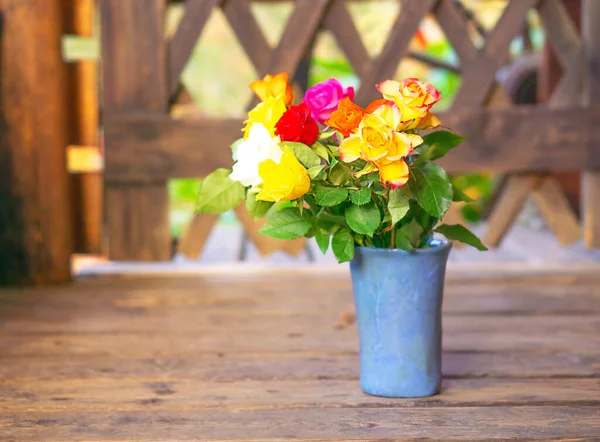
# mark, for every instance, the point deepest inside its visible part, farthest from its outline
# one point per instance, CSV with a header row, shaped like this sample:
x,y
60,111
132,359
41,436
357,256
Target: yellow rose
x,y
393,173
377,138
285,181
413,97
266,113
429,121
276,86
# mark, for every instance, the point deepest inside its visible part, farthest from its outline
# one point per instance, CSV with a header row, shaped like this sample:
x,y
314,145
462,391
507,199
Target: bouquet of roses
x,y
329,169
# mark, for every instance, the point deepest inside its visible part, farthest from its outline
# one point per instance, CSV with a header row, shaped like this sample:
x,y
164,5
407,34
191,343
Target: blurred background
x,y
214,85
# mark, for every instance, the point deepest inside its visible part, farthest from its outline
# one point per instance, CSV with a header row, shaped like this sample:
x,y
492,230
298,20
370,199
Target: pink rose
x,y
323,98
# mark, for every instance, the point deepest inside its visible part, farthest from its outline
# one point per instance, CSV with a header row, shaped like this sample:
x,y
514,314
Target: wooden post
x,y
590,14
134,82
87,187
36,229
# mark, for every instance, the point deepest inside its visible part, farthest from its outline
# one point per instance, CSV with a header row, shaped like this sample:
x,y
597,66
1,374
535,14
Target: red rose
x,y
296,124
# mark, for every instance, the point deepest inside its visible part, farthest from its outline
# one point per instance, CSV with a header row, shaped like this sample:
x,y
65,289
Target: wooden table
x,y
271,355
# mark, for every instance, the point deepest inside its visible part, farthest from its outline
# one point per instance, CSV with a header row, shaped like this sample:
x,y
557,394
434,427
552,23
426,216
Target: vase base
x,y
416,393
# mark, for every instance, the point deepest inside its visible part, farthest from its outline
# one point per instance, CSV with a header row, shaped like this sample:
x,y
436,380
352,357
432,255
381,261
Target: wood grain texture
x,y
308,423
138,223
36,225
134,80
259,357
164,394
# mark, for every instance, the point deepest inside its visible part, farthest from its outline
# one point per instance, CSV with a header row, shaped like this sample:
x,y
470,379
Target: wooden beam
x,y
87,188
157,147
181,45
385,64
135,80
193,240
515,194
36,226
555,209
524,138
591,176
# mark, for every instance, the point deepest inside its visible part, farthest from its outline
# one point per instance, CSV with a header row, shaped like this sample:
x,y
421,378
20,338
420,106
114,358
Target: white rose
x,y
258,147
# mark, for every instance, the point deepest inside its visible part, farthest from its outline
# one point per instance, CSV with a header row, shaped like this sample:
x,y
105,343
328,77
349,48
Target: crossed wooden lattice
x,y
478,90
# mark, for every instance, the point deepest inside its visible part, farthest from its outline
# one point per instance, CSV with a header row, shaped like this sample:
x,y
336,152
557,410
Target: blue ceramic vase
x,y
398,298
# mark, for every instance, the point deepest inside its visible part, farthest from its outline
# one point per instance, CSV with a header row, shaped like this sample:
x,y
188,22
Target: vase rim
x,y
439,246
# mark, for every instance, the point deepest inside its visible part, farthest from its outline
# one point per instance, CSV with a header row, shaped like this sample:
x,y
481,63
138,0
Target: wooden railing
x,y
145,146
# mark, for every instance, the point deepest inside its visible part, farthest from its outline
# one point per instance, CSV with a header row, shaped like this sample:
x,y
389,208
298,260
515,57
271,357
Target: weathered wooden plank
x,y
100,394
158,147
515,194
138,227
248,32
297,37
134,51
564,38
339,21
226,366
36,226
87,187
456,28
193,240
134,79
277,333
181,44
556,210
590,198
345,423
139,309
385,64
479,73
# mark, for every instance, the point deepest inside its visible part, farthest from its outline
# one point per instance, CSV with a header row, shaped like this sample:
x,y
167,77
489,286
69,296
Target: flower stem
x,y
393,241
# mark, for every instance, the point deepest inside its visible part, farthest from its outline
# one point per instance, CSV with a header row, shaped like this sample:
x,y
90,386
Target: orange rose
x,y
346,117
276,86
374,105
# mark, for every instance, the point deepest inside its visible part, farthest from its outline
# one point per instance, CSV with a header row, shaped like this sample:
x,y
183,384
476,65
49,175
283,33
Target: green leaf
x,y
329,196
257,208
321,151
364,219
304,153
360,197
314,172
456,232
412,232
327,134
339,174
432,188
398,205
342,245
459,195
322,240
219,193
440,143
286,224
